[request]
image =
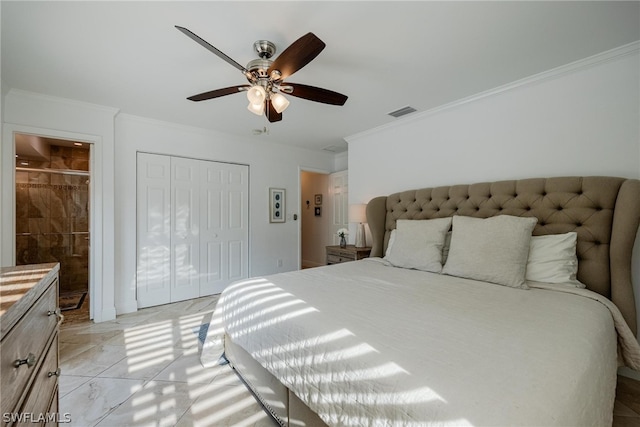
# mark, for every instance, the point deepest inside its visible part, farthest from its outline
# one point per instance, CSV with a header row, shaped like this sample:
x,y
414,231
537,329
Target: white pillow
x,y
552,259
392,239
492,250
418,244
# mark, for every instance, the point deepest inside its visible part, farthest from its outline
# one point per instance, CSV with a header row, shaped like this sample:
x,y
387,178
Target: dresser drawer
x,y
44,385
55,409
31,335
338,254
336,258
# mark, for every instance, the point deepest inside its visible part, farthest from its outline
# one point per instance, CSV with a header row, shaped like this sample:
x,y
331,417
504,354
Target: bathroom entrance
x,y
52,179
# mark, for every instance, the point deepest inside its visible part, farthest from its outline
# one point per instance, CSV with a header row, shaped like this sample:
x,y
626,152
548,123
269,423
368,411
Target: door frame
x,y
8,205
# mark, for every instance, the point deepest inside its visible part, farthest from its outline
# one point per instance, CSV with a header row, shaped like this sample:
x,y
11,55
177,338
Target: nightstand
x,y
336,254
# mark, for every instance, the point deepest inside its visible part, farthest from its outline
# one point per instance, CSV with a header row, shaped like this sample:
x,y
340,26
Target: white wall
x,y
583,119
270,165
341,161
583,122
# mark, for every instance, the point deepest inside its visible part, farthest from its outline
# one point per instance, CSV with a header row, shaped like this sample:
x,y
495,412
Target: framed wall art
x,y
318,199
318,211
276,205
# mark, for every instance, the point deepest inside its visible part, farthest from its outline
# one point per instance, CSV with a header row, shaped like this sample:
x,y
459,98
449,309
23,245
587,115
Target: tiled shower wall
x,y
52,216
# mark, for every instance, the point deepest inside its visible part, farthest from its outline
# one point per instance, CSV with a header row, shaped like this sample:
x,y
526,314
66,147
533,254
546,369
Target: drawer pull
x,y
29,361
58,314
56,373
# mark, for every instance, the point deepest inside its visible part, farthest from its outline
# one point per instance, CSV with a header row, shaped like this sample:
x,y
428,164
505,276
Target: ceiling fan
x,y
266,77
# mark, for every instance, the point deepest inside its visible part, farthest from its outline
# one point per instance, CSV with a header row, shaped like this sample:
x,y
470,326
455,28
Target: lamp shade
x,y
256,95
257,109
358,213
280,103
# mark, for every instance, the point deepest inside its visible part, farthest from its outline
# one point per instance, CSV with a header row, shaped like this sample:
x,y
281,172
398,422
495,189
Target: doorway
x,y
314,218
52,223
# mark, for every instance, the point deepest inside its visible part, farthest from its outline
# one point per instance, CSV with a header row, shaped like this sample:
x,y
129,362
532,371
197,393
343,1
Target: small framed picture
x,y
276,205
318,211
318,199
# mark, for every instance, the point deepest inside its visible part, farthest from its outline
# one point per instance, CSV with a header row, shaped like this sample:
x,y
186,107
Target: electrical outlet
x,y
279,263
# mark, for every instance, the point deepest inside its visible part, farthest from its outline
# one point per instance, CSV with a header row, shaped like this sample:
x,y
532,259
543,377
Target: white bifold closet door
x,y
192,227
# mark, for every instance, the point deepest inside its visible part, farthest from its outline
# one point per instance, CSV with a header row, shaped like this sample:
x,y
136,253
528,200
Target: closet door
x,y
153,271
224,231
185,236
193,227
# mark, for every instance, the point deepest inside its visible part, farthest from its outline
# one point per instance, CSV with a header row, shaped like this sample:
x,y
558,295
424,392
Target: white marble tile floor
x,y
143,369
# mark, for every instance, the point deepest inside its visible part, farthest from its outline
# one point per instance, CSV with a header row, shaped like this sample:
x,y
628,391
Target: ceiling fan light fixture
x,y
256,95
280,103
257,109
266,76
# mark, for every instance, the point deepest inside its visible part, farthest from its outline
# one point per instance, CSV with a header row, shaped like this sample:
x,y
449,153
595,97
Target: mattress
x,y
366,344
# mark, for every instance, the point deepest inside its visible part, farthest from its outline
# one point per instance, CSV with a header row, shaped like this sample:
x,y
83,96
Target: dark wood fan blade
x,y
212,48
297,55
316,94
271,113
217,93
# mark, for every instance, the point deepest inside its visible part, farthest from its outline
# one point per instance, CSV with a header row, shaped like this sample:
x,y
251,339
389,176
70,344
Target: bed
x,y
502,325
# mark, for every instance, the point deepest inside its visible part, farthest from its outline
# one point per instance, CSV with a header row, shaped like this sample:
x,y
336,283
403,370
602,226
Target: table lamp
x,y
358,214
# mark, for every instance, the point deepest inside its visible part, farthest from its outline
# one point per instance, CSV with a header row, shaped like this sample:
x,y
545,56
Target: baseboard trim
x,y
310,264
105,315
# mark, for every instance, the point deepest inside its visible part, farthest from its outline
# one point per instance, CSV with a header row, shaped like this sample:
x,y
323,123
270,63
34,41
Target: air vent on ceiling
x,y
402,111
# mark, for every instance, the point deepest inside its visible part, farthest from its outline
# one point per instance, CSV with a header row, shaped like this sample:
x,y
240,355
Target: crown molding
x,y
72,102
572,67
342,154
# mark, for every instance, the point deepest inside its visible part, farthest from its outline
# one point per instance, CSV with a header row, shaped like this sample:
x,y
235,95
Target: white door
x,y
224,231
185,236
153,270
339,191
193,227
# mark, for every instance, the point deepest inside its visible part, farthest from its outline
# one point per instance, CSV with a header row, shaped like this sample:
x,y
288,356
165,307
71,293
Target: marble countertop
x,y
16,282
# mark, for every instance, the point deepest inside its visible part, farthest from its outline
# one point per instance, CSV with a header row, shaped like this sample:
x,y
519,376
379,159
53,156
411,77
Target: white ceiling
x,y
383,55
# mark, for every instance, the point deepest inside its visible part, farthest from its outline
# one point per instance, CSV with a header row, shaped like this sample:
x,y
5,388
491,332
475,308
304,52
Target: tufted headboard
x,y
604,211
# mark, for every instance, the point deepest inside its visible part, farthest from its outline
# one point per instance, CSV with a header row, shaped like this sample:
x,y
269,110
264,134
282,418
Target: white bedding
x,y
366,344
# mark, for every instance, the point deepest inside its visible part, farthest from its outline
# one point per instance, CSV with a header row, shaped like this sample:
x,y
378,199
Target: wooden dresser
x,y
337,254
29,324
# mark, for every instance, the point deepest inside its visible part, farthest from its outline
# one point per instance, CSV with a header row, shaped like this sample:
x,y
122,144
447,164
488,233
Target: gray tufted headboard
x,y
604,211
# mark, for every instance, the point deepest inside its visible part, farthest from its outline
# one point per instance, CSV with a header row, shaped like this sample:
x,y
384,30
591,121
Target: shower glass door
x,y
52,212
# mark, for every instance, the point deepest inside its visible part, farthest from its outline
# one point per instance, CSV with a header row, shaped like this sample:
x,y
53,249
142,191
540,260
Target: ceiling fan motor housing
x,y
264,48
259,66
